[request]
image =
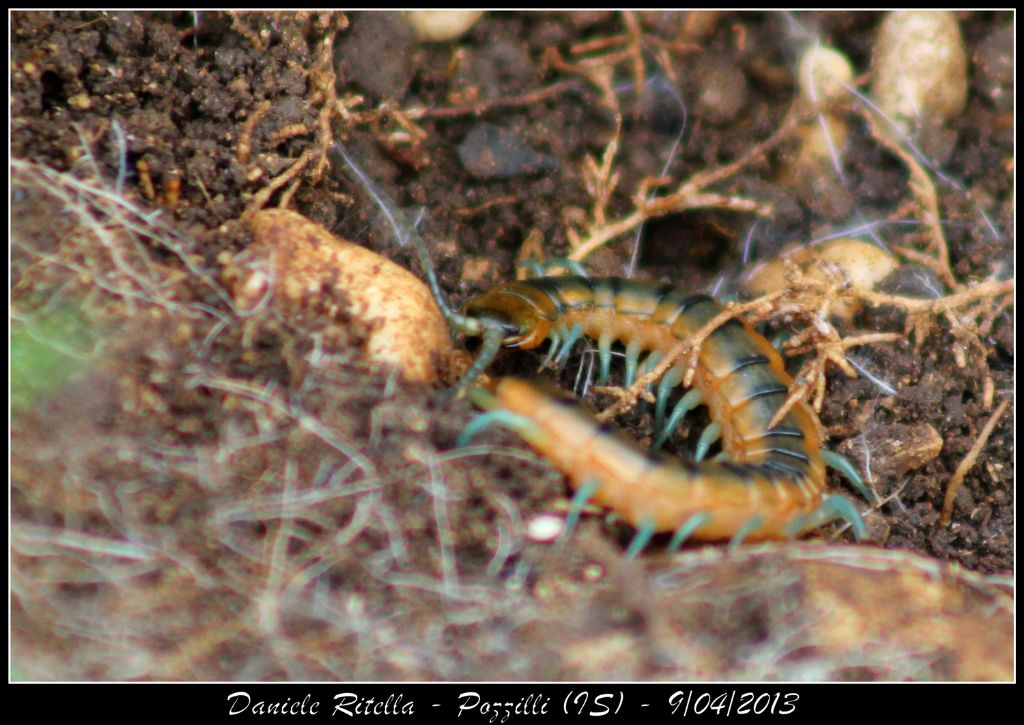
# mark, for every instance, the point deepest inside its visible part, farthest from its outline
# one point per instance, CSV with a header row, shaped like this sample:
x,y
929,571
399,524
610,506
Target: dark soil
x,y
185,429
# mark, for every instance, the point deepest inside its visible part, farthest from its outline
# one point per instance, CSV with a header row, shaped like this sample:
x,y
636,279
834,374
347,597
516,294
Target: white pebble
x,y
920,69
825,74
439,26
544,528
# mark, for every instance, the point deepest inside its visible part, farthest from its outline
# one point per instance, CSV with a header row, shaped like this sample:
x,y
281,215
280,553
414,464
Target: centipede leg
x,y
633,350
840,507
519,423
532,266
711,434
553,351
846,469
573,266
688,402
749,526
687,529
650,362
831,508
579,500
570,340
669,380
641,538
604,351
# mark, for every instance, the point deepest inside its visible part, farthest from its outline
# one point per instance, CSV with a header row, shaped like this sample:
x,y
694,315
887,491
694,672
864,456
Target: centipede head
x,y
523,313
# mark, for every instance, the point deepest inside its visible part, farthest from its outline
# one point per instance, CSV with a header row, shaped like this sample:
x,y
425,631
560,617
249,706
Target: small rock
x,y
377,54
301,268
894,449
493,152
545,528
863,263
993,66
920,69
824,76
723,89
439,26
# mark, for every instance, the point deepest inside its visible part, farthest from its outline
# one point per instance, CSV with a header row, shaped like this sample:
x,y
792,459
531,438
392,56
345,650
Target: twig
x,y
479,109
965,465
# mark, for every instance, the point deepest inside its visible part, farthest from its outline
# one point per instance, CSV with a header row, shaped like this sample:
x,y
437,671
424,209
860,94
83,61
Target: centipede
x,y
768,482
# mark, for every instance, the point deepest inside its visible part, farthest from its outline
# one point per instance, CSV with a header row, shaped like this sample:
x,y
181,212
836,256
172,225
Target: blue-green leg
x,y
532,266
668,382
556,339
686,530
633,350
519,423
711,434
831,508
641,538
684,405
571,338
750,526
846,469
579,500
604,354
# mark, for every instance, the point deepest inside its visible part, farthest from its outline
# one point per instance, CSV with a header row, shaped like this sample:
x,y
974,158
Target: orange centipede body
x,y
768,484
771,481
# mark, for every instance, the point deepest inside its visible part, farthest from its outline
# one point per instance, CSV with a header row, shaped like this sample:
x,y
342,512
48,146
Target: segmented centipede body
x,y
770,481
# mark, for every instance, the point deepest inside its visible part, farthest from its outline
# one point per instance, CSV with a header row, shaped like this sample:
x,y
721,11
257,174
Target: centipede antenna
x,y
491,343
404,233
641,538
